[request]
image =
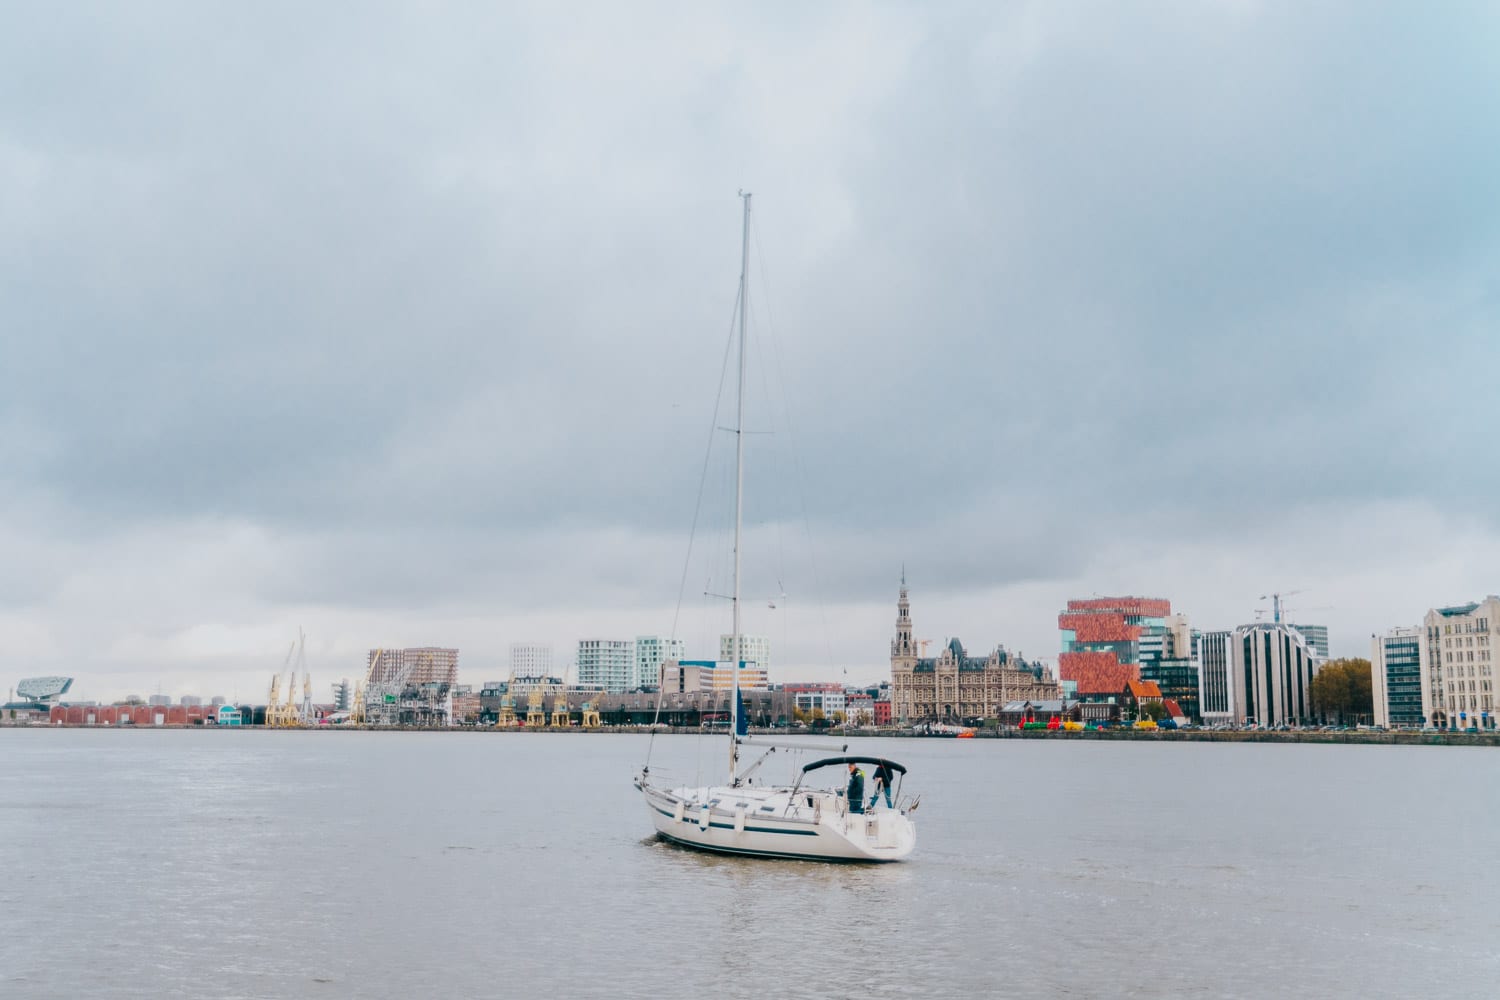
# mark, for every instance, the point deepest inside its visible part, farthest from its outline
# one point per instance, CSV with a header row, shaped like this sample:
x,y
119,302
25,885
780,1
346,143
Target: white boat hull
x,y
770,822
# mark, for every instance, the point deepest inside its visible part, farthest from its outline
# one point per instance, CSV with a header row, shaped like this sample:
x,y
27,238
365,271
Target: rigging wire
x,y
697,509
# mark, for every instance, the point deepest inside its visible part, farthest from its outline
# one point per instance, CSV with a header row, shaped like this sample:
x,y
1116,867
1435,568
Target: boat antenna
x,y
739,499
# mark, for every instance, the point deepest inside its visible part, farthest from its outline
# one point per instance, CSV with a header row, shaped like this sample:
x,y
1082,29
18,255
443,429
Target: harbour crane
x,y
535,717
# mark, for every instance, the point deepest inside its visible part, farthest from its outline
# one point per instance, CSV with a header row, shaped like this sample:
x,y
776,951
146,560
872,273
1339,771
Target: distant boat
x,y
777,821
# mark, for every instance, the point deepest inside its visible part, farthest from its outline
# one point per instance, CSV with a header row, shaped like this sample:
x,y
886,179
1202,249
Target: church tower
x,y
903,657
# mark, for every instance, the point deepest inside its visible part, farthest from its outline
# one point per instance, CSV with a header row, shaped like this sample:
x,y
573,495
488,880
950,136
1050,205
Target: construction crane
x,y
275,705
1275,600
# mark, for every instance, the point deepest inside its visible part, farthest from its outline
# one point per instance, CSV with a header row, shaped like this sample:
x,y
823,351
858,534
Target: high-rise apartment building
x,y
1396,678
531,659
1101,641
1458,665
753,649
651,653
607,664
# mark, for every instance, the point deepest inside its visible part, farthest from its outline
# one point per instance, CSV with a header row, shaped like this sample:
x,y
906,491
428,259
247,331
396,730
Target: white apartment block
x,y
1458,665
651,653
531,659
607,664
754,649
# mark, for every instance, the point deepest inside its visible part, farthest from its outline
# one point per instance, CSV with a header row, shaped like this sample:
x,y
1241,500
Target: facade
x,y
753,649
343,696
1396,678
1270,675
686,675
531,659
1215,692
954,686
1458,665
651,653
608,664
1317,638
1101,642
830,699
1169,659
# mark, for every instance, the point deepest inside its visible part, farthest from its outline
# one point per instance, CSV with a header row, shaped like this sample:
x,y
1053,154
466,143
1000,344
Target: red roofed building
x,y
1101,642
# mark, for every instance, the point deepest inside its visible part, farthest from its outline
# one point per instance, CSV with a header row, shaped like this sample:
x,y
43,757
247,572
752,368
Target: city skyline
x,y
420,344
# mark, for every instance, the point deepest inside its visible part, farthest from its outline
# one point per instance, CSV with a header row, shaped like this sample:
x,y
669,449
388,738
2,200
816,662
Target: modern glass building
x,y
1396,678
1168,657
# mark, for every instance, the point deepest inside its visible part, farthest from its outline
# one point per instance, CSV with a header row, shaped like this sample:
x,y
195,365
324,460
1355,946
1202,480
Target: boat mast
x,y
739,498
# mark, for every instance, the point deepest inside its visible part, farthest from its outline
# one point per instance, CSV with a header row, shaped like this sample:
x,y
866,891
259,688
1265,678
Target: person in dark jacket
x,y
856,788
883,779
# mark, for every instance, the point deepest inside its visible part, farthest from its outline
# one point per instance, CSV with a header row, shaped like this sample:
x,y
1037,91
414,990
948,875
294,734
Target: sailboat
x,y
802,820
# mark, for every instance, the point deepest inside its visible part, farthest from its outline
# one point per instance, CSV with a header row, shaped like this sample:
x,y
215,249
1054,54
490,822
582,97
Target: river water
x,y
395,865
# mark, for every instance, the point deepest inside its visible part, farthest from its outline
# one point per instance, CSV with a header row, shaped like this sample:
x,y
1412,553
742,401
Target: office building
x,y
1270,675
1316,636
753,649
1166,656
1215,692
1396,678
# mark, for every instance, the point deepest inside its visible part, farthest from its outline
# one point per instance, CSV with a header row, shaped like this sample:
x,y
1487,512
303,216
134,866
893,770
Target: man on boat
x,y
856,788
883,779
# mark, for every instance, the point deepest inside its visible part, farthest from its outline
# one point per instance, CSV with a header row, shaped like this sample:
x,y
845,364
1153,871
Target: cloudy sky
x,y
404,324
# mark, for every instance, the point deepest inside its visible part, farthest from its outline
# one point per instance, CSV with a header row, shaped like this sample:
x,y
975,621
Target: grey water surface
x,y
394,865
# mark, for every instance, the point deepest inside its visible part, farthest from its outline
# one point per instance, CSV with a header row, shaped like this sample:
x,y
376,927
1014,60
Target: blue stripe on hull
x,y
786,855
730,826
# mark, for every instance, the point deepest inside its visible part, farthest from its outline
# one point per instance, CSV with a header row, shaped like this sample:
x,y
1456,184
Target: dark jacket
x,y
883,775
857,786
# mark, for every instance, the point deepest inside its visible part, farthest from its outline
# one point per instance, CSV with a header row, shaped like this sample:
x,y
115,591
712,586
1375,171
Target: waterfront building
x,y
531,659
1101,642
1316,636
1215,692
859,709
1167,658
1396,678
608,664
1458,664
753,649
954,686
651,652
686,675
812,697
1270,675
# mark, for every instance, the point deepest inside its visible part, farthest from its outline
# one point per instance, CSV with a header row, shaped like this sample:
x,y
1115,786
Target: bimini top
x,y
835,761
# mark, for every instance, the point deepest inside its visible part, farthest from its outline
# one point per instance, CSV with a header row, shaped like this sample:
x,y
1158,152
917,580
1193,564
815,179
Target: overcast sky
x,y
404,324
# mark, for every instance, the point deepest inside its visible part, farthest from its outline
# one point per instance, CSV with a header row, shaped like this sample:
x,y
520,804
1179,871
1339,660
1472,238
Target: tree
x,y
1342,690
1153,710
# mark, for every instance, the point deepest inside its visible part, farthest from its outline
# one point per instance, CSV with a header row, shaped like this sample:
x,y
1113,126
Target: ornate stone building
x,y
953,685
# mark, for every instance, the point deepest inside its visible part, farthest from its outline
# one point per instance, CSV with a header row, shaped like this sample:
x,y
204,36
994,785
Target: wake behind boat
x,y
797,821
